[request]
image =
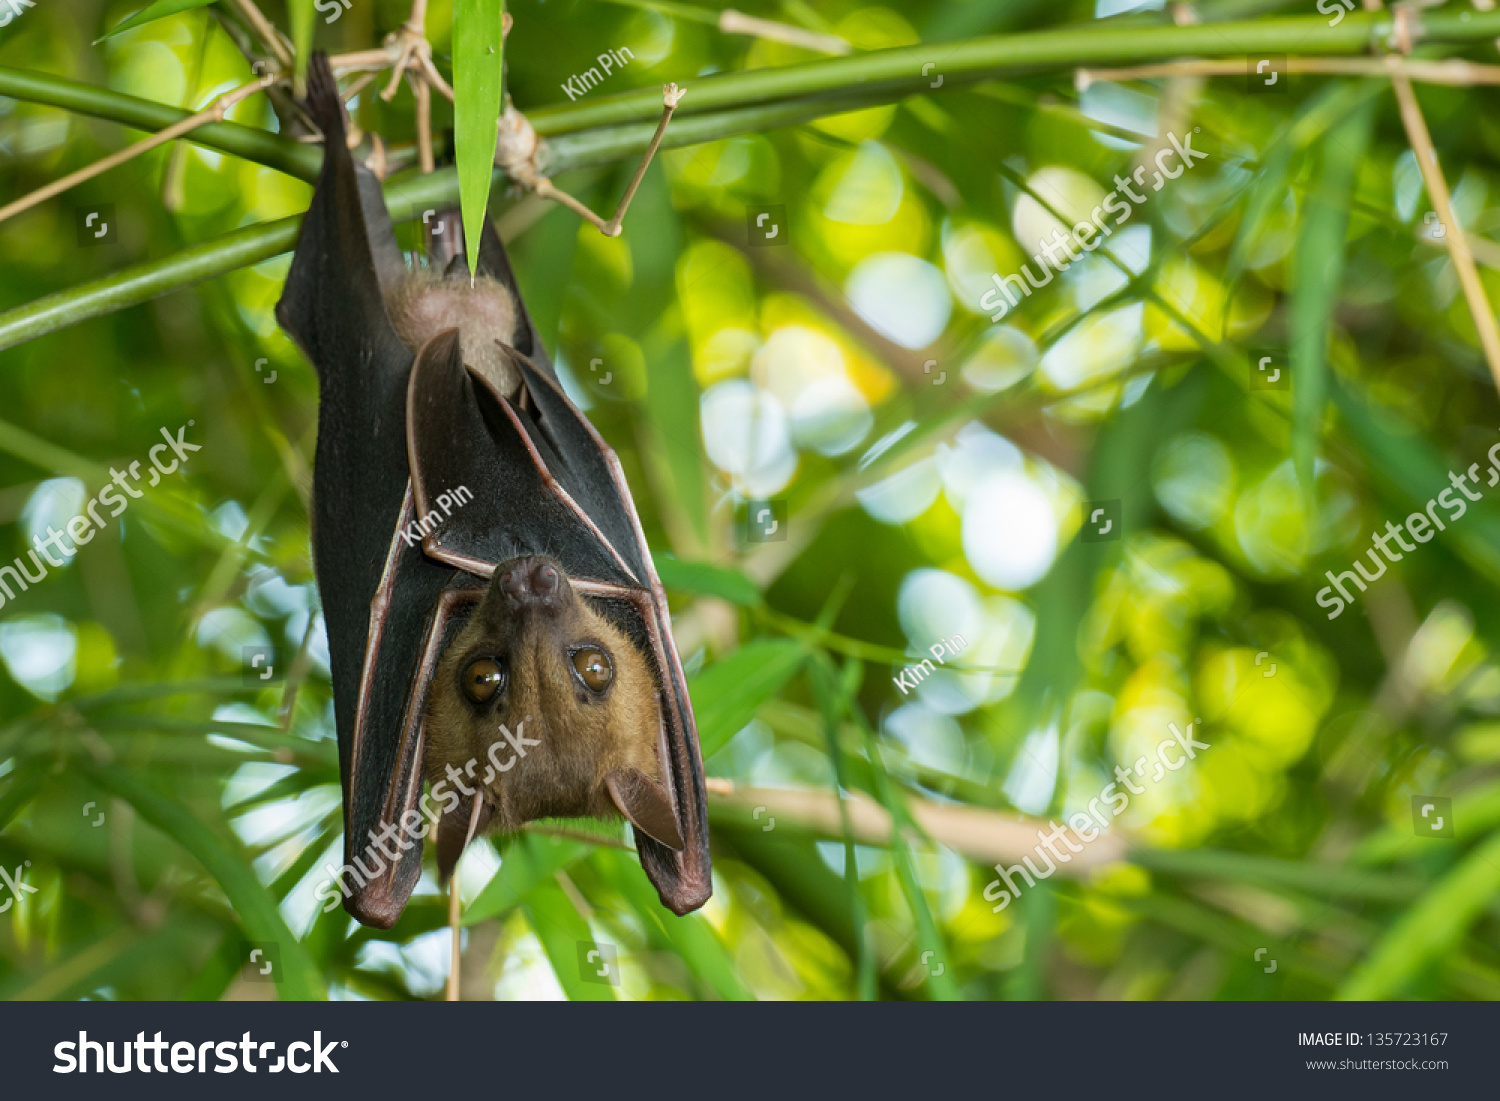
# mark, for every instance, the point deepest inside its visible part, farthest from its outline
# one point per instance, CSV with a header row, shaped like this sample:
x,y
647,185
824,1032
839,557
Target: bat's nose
x,y
530,580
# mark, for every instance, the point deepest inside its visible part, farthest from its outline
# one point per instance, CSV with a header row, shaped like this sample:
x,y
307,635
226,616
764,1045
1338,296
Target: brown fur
x,y
583,736
425,304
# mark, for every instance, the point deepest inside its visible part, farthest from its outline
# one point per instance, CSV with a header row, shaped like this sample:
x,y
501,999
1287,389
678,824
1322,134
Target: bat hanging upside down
x,y
563,696
494,620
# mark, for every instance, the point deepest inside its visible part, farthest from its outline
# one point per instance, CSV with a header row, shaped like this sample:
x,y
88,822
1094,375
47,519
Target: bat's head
x,y
548,709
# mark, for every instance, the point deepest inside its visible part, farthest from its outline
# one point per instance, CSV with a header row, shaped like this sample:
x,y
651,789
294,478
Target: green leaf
x,y
929,939
726,694
17,795
1407,463
258,912
826,685
690,936
1430,929
566,938
300,14
1318,269
1476,811
477,61
159,10
527,861
706,579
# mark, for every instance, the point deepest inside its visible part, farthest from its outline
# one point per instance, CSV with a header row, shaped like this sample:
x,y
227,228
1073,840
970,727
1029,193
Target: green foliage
x,y
478,57
149,14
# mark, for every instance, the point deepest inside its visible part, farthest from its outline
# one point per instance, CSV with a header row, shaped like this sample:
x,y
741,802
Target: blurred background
x,y
841,463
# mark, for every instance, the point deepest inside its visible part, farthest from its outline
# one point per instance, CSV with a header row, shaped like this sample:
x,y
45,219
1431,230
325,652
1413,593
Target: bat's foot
x,y
517,152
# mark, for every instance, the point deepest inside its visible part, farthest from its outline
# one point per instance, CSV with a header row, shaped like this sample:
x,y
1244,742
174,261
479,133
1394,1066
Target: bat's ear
x,y
644,804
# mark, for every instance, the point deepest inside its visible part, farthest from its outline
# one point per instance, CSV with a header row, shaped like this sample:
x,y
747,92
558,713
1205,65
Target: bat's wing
x,y
545,483
380,593
494,262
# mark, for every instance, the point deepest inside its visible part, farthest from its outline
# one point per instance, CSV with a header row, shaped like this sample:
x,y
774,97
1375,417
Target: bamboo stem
x,y
249,142
723,105
898,72
213,113
1454,71
253,244
985,836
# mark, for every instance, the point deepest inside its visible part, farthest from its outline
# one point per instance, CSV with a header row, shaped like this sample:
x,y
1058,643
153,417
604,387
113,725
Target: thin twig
x,y
671,96
516,152
296,675
267,32
455,914
212,113
1454,235
359,85
1485,251
1437,188
455,903
576,835
1453,71
423,93
737,22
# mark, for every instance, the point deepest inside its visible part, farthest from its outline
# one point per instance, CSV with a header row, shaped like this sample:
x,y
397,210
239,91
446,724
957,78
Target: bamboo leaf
x,y
300,14
477,67
1476,812
258,911
726,694
1407,464
706,579
1430,928
566,938
159,10
826,686
690,937
929,938
1318,268
528,860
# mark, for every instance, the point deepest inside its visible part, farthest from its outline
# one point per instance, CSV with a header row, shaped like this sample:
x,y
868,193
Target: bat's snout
x,y
532,581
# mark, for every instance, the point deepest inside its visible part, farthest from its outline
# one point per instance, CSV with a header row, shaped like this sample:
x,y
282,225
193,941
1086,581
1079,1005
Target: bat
x,y
495,624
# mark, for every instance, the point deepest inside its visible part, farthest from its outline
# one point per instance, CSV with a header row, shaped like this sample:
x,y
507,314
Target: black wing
x,y
379,591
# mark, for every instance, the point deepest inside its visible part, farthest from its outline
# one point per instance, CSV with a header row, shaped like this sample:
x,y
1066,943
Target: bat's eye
x,y
592,667
482,679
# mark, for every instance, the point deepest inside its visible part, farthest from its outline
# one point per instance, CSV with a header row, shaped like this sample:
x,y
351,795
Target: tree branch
x,y
976,833
720,106
898,72
405,199
249,142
